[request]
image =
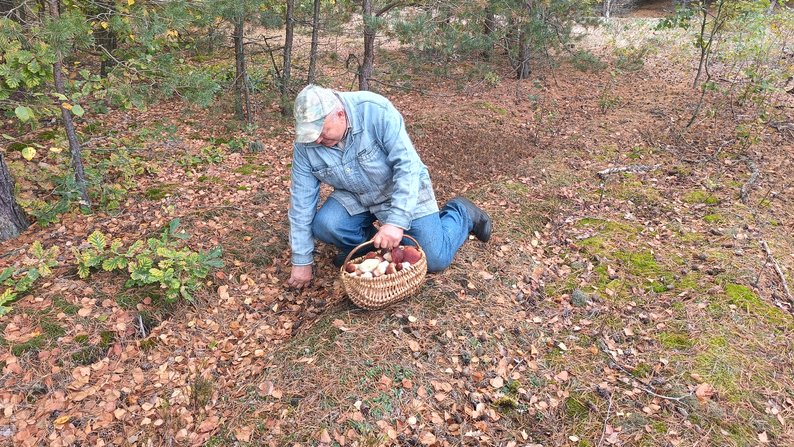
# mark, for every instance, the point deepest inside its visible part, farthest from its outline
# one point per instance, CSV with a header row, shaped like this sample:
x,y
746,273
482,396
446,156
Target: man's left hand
x,y
388,236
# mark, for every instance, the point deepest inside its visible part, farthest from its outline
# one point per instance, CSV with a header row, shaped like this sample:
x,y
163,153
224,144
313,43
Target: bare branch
x,y
633,169
778,270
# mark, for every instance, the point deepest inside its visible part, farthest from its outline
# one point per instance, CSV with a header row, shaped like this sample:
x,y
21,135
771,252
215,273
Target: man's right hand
x,y
301,276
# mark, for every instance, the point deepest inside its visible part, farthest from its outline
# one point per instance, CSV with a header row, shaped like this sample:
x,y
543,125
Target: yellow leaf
x,y
103,24
130,2
62,420
28,153
66,106
132,36
56,150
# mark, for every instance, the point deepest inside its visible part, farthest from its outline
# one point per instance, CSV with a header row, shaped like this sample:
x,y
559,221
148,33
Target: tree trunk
x,y
487,30
68,123
12,219
315,38
607,8
286,101
107,40
242,102
522,70
365,71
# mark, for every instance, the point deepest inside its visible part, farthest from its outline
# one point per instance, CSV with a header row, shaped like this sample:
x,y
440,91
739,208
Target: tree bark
x,y
523,70
365,70
106,39
243,101
487,30
12,218
68,122
315,38
286,101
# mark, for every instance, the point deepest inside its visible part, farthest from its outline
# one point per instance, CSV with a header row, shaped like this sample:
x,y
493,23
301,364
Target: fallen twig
x,y
141,326
643,386
633,169
753,178
606,419
778,270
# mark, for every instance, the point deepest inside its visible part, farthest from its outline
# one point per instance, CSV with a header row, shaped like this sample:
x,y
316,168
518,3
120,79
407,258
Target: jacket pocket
x,y
375,167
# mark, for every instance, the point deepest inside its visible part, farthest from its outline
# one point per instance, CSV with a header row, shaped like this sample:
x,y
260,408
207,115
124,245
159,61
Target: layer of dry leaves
x,y
494,351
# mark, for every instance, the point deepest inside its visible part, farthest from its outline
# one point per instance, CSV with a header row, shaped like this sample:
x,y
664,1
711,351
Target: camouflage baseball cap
x,y
312,105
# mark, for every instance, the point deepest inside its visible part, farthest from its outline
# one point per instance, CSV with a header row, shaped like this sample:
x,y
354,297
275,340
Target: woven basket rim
x,y
362,245
379,292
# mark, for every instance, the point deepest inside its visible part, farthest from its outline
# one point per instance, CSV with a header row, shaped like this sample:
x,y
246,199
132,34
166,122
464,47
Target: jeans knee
x,y
436,263
323,228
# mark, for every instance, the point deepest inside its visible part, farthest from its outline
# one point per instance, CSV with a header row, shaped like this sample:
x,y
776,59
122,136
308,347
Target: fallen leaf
x,y
325,438
427,438
208,425
497,382
562,377
704,391
413,345
62,420
339,324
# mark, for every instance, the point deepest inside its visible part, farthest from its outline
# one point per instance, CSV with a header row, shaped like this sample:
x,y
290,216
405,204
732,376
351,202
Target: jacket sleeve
x,y
304,197
406,167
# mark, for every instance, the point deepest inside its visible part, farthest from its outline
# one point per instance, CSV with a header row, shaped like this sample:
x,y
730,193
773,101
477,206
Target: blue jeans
x,y
440,234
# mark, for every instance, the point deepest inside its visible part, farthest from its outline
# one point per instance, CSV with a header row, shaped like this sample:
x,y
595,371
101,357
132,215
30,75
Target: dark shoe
x,y
482,222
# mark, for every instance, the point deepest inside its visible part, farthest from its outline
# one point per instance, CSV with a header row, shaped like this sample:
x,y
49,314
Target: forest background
x,y
635,156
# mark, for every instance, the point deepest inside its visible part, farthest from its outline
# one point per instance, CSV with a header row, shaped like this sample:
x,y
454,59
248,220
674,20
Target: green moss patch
x,y
676,340
34,344
576,408
67,307
160,191
250,168
700,196
744,298
713,218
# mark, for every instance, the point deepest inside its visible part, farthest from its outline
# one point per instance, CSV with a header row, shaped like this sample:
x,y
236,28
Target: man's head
x,y
319,116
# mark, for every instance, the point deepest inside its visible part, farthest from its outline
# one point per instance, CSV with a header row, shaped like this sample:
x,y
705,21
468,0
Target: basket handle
x,y
364,244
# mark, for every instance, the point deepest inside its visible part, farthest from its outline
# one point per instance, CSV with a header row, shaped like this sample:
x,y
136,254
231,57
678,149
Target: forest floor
x,y
634,309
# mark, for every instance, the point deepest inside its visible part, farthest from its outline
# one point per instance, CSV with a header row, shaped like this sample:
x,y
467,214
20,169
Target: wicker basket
x,y
382,291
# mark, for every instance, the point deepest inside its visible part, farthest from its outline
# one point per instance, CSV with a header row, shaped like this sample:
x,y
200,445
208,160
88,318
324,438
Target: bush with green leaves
x,y
164,261
111,175
37,264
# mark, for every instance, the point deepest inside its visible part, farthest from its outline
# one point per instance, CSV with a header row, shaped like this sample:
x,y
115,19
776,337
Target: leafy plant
x,y
37,264
165,261
210,155
631,58
587,62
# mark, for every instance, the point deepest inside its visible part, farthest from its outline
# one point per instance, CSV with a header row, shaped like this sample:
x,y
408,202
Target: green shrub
x,y
165,261
37,264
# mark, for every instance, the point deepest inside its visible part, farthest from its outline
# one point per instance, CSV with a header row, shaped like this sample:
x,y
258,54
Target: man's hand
x,y
388,236
300,276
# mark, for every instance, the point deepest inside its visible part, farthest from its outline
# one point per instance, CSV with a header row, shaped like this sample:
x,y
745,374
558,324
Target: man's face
x,y
334,128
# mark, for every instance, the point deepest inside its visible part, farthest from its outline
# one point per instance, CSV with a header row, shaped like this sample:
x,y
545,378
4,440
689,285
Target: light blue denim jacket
x,y
378,171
